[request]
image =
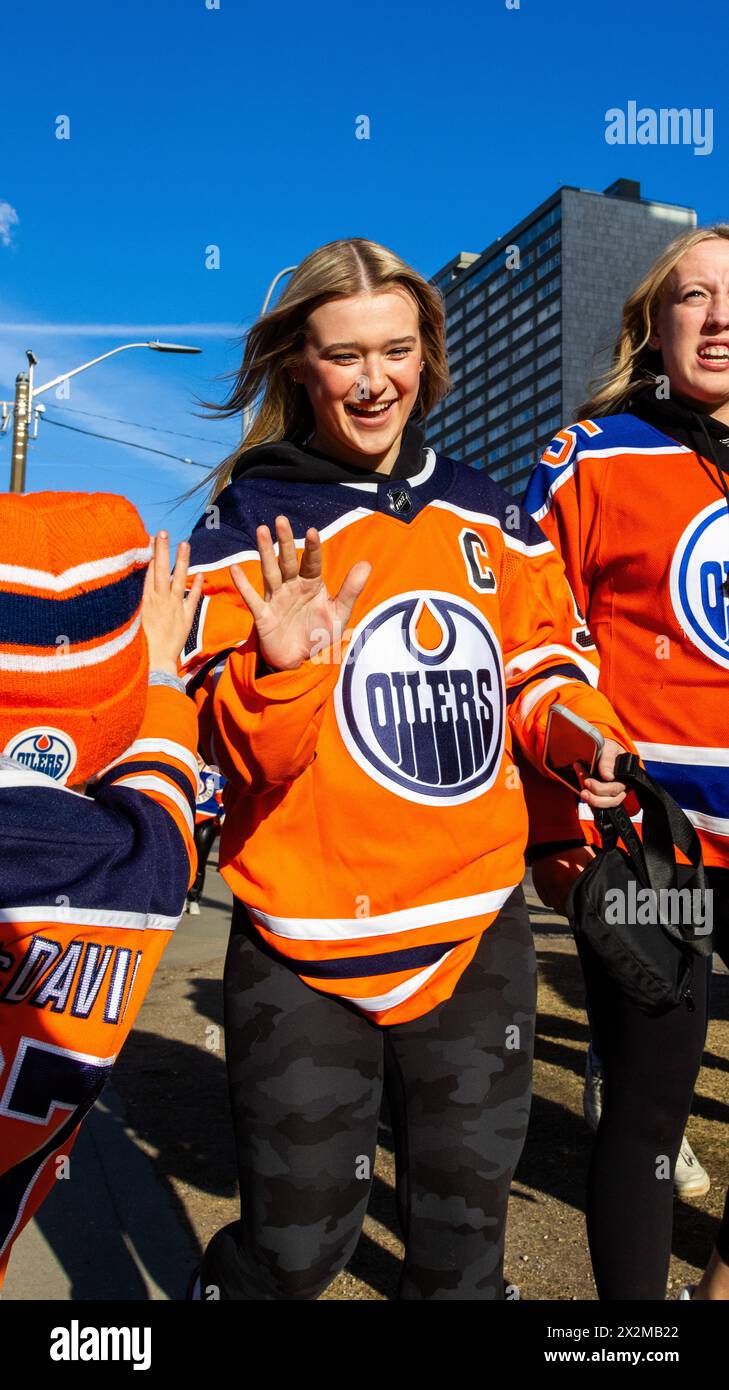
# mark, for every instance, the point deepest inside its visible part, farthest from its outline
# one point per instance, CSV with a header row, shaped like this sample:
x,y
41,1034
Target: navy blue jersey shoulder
x,y
227,528
114,849
228,525
475,491
558,461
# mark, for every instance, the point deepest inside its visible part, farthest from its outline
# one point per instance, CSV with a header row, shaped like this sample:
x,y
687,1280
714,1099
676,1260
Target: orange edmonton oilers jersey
x,y
644,533
375,823
92,888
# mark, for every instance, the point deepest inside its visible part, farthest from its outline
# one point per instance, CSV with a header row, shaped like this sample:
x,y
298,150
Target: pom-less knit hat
x,y
73,654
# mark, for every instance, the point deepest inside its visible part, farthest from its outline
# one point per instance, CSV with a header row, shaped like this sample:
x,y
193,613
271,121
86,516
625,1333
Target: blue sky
x,y
235,126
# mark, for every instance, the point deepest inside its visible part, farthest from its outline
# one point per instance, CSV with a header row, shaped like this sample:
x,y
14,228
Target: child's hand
x,y
166,614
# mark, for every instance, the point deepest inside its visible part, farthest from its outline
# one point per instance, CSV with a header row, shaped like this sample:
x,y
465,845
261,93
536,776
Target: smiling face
x,y
692,327
361,370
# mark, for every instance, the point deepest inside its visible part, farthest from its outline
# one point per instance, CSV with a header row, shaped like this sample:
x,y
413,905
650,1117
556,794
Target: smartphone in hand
x,y
572,747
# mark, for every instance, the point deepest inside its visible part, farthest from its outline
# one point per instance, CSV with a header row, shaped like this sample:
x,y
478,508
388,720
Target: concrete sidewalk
x,y
111,1231
107,1232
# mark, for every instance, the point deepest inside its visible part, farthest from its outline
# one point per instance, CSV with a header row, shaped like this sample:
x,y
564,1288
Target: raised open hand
x,y
167,615
296,616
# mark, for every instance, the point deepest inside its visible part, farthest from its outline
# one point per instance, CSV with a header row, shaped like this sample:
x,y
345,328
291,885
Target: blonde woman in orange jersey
x,y
378,624
636,498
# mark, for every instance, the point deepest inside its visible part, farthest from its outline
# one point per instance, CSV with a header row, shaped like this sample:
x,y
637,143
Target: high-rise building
x,y
532,320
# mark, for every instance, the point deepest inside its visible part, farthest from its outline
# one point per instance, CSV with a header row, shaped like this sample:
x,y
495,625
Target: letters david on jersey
x,y
420,702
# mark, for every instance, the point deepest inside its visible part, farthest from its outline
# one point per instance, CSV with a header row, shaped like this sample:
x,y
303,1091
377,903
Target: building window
x,y
498,303
547,379
550,332
550,355
527,326
473,381
548,265
551,287
547,245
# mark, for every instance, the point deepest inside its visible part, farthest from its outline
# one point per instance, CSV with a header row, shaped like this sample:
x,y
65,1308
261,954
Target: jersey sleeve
x,y
546,661
260,730
564,502
160,771
562,497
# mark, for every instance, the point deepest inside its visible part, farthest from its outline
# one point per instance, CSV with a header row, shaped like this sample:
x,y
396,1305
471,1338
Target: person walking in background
x,y
209,815
635,496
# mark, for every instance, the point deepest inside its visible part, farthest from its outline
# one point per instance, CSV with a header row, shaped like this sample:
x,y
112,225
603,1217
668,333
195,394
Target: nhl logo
x,y
44,749
400,500
420,700
698,579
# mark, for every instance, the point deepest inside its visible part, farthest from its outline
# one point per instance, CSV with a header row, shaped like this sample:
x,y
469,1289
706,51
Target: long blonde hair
x,y
635,365
274,342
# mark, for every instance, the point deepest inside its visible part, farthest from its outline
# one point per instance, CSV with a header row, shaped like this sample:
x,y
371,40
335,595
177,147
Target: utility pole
x,y
25,394
20,432
21,424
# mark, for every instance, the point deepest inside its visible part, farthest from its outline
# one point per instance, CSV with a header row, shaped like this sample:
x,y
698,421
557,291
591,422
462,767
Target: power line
x,y
127,443
93,415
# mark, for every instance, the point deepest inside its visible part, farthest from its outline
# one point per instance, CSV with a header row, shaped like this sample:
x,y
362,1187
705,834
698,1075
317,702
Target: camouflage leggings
x,y
306,1075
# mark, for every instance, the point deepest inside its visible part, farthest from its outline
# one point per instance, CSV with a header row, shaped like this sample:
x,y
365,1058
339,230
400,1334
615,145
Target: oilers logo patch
x,y
699,575
44,749
420,700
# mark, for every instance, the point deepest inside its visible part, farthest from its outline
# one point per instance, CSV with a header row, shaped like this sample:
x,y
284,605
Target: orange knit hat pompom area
x,y
73,655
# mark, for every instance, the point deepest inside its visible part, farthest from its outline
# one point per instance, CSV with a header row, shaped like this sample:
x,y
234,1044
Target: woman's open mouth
x,y
371,414
715,356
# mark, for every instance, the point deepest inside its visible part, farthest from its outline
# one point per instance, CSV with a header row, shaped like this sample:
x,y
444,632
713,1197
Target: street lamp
x,y
26,392
289,270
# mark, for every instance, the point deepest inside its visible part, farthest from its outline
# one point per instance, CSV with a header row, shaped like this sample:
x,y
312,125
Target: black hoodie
x,y
294,462
681,420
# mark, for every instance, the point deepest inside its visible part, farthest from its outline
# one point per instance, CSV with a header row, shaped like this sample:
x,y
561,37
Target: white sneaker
x,y
593,1092
686,1293
193,909
689,1178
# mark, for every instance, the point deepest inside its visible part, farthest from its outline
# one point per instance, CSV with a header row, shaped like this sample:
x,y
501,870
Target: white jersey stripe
x,y
685,756
348,519
386,924
400,992
152,746
142,783
568,470
89,917
521,665
542,547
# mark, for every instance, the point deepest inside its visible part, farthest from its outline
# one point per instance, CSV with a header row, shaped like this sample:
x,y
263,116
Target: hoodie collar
x,y
683,421
292,461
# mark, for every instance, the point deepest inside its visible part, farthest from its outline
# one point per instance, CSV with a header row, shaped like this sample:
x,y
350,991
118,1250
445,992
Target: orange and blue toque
x,y
73,655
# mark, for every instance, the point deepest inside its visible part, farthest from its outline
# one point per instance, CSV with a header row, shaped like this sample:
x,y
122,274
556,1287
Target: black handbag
x,y
628,904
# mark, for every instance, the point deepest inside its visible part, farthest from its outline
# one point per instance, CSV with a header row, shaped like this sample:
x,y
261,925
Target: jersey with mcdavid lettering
x,y
643,529
375,822
91,889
